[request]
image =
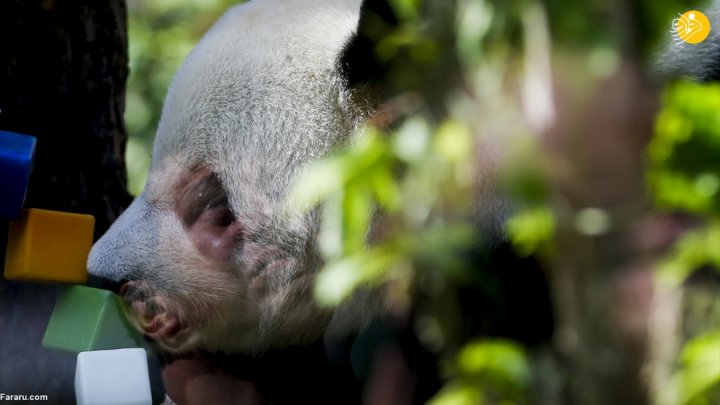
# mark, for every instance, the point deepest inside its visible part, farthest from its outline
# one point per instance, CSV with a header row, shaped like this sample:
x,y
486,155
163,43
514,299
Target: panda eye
x,y
218,202
204,199
217,212
202,206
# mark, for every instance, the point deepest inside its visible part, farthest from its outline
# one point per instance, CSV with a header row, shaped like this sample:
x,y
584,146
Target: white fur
x,y
257,99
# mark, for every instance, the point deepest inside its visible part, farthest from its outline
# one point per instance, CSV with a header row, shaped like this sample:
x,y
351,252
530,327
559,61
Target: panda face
x,y
209,256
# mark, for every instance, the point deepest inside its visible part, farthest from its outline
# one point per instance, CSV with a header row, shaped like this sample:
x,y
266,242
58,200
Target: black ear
x,y
358,62
700,61
710,60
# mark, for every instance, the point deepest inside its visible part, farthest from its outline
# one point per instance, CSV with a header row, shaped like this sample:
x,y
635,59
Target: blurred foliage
x,y
684,176
415,182
697,382
684,171
487,371
437,177
530,229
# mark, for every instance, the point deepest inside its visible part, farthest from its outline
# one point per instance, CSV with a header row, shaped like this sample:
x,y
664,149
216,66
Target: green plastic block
x,y
87,319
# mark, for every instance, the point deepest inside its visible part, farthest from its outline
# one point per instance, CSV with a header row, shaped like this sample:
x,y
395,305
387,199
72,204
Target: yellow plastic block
x,y
49,246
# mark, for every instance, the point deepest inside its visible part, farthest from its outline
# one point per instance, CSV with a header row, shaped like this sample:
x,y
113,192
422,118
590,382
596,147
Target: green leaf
x,y
453,141
458,393
700,371
339,279
531,228
503,359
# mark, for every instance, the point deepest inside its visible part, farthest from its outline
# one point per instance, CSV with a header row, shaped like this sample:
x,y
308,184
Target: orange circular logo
x,y
692,27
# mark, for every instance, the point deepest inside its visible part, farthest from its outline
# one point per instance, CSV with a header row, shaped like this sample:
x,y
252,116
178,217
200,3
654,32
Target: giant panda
x,y
211,257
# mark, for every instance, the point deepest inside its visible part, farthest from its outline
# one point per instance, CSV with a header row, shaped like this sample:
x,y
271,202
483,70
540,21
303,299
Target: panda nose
x,y
105,283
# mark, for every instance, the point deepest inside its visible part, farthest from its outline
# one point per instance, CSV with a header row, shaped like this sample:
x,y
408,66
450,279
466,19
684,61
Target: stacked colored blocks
x,y
86,319
112,377
52,246
16,155
49,246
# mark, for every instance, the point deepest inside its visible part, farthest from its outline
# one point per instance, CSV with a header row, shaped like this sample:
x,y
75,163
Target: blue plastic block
x,y
16,155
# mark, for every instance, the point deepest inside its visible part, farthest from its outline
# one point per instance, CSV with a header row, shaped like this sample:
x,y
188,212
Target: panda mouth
x,y
152,314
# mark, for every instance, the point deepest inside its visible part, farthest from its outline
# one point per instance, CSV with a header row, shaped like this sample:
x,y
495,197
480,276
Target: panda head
x,y
208,256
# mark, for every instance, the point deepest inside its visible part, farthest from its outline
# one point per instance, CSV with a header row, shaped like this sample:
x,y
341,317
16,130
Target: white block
x,y
112,377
